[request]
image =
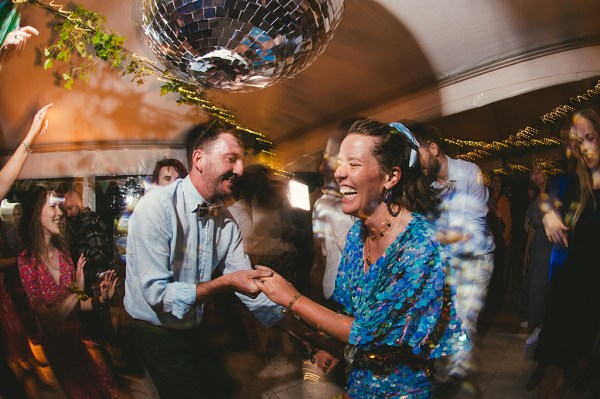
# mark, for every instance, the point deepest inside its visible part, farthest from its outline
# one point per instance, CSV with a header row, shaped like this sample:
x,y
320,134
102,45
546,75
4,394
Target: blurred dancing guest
x,y
330,223
537,257
392,280
54,289
569,339
463,225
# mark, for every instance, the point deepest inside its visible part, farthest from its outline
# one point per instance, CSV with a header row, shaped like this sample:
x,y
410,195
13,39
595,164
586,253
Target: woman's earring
x,y
387,196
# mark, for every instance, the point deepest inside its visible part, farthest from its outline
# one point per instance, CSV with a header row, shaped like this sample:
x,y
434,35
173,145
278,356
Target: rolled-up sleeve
x,y
149,262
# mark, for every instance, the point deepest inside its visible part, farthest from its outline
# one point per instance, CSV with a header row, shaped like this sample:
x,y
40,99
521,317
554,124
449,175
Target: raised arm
x,y
11,170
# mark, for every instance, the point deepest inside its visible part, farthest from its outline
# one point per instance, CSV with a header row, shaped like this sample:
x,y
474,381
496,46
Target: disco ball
x,y
238,45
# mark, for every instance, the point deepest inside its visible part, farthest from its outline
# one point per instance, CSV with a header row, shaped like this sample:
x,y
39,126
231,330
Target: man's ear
x,y
197,158
393,177
434,149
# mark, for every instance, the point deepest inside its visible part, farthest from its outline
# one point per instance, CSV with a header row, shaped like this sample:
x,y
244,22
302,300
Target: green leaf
x,y
48,64
46,52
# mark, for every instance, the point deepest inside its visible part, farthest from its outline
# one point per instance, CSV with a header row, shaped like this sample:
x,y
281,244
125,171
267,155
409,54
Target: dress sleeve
x,y
30,280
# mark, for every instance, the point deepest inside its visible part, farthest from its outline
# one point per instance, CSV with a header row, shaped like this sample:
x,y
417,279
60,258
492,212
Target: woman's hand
x,y
79,274
555,229
324,360
278,289
108,285
15,42
39,126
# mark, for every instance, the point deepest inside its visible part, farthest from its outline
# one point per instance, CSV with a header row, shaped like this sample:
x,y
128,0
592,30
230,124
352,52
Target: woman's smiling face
x,y
588,142
51,216
359,176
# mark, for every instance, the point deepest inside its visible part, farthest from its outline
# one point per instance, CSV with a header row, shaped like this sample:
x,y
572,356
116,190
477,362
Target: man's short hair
x,y
175,163
202,134
424,132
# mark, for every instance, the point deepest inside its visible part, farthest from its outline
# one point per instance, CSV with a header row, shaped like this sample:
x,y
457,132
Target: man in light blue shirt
x,y
178,235
462,224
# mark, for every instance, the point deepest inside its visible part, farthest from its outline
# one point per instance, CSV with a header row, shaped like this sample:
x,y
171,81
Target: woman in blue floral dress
x,y
393,279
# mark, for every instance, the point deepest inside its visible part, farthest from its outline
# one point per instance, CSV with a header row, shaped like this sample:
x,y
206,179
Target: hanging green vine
x,y
80,37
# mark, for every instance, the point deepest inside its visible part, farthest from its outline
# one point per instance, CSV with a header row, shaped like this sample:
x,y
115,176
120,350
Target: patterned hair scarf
x,y
412,142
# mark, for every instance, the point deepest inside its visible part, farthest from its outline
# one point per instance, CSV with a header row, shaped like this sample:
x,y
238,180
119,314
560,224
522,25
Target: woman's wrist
x,y
27,147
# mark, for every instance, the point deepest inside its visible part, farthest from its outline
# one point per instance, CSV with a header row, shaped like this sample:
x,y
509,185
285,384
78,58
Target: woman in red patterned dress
x,y
47,272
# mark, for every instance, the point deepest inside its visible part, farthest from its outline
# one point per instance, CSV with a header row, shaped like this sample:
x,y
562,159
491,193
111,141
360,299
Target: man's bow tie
x,y
205,208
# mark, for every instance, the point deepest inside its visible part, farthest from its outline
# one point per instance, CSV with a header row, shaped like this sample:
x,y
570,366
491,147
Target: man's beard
x,y
432,169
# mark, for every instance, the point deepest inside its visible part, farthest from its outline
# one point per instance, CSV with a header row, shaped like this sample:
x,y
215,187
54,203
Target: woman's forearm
x,y
334,324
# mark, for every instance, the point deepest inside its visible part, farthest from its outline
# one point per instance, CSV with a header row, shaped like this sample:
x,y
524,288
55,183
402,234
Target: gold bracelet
x,y
29,149
293,301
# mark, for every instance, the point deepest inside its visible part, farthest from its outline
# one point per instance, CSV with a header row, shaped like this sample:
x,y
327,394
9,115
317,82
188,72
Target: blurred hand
x,y
325,361
39,125
555,229
107,285
79,274
15,42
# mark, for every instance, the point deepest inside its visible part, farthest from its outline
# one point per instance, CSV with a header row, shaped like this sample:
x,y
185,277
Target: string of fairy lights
x,y
527,138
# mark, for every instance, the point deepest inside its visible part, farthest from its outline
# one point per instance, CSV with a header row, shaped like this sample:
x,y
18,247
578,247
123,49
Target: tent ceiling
x,y
388,59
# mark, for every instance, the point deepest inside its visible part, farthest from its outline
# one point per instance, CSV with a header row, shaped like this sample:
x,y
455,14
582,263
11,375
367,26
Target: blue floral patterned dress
x,y
404,313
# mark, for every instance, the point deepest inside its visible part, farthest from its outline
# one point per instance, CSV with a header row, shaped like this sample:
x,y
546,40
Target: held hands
x,y
79,274
278,289
243,281
107,285
555,229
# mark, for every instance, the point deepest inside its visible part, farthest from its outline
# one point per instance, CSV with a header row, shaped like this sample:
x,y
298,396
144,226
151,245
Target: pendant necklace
x,y
367,246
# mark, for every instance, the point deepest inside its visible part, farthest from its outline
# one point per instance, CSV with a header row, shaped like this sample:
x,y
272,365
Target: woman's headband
x,y
412,142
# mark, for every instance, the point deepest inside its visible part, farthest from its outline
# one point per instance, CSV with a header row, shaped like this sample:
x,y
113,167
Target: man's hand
x,y
243,281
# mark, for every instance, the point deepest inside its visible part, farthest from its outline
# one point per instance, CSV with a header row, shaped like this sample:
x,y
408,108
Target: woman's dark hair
x,y
175,163
413,191
30,228
200,135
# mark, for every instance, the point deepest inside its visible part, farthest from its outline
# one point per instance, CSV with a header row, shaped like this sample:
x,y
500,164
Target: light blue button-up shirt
x,y
170,250
464,209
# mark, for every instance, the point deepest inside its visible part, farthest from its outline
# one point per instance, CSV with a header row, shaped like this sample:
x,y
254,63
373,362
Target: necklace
x,y
367,246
